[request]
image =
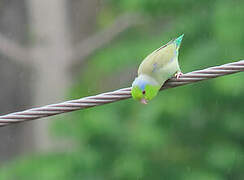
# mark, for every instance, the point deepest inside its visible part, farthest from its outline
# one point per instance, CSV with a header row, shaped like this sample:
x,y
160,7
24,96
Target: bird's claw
x,y
178,74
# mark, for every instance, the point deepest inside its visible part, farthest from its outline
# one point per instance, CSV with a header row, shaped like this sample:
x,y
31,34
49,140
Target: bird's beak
x,y
143,101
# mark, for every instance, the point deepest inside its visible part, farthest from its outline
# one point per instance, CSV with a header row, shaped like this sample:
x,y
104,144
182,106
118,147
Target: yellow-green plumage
x,y
155,69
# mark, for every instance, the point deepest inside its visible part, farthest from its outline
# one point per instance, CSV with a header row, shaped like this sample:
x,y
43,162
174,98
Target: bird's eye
x,y
144,92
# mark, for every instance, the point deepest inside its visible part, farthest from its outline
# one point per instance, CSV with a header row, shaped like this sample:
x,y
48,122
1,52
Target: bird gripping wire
x,y
125,93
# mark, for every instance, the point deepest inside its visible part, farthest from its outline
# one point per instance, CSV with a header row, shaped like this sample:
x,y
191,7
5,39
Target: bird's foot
x,y
178,74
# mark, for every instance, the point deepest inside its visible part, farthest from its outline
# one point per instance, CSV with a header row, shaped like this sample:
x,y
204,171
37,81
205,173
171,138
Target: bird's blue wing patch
x,y
154,67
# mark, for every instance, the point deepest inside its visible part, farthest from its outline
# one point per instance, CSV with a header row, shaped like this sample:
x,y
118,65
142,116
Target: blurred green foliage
x,y
187,133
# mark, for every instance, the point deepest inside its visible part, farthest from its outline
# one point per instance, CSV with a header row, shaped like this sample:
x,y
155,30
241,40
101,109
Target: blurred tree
x,y
52,54
14,78
193,132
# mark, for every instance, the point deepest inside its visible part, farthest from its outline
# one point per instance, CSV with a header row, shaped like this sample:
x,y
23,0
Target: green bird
x,y
155,69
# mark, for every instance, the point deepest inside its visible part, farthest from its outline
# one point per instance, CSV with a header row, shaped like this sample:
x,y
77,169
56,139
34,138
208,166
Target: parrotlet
x,y
155,69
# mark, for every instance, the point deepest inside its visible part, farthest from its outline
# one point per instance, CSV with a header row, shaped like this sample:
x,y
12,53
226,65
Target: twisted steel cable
x,y
117,95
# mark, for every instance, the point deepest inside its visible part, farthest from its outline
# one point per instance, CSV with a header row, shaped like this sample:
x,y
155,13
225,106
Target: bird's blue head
x,y
144,88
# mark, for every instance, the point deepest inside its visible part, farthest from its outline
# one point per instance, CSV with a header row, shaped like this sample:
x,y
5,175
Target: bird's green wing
x,y
158,59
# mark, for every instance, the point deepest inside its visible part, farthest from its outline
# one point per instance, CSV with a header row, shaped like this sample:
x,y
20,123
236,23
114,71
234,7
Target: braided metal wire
x,y
117,95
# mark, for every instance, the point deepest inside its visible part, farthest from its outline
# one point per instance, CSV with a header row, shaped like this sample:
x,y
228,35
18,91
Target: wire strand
x,y
125,93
